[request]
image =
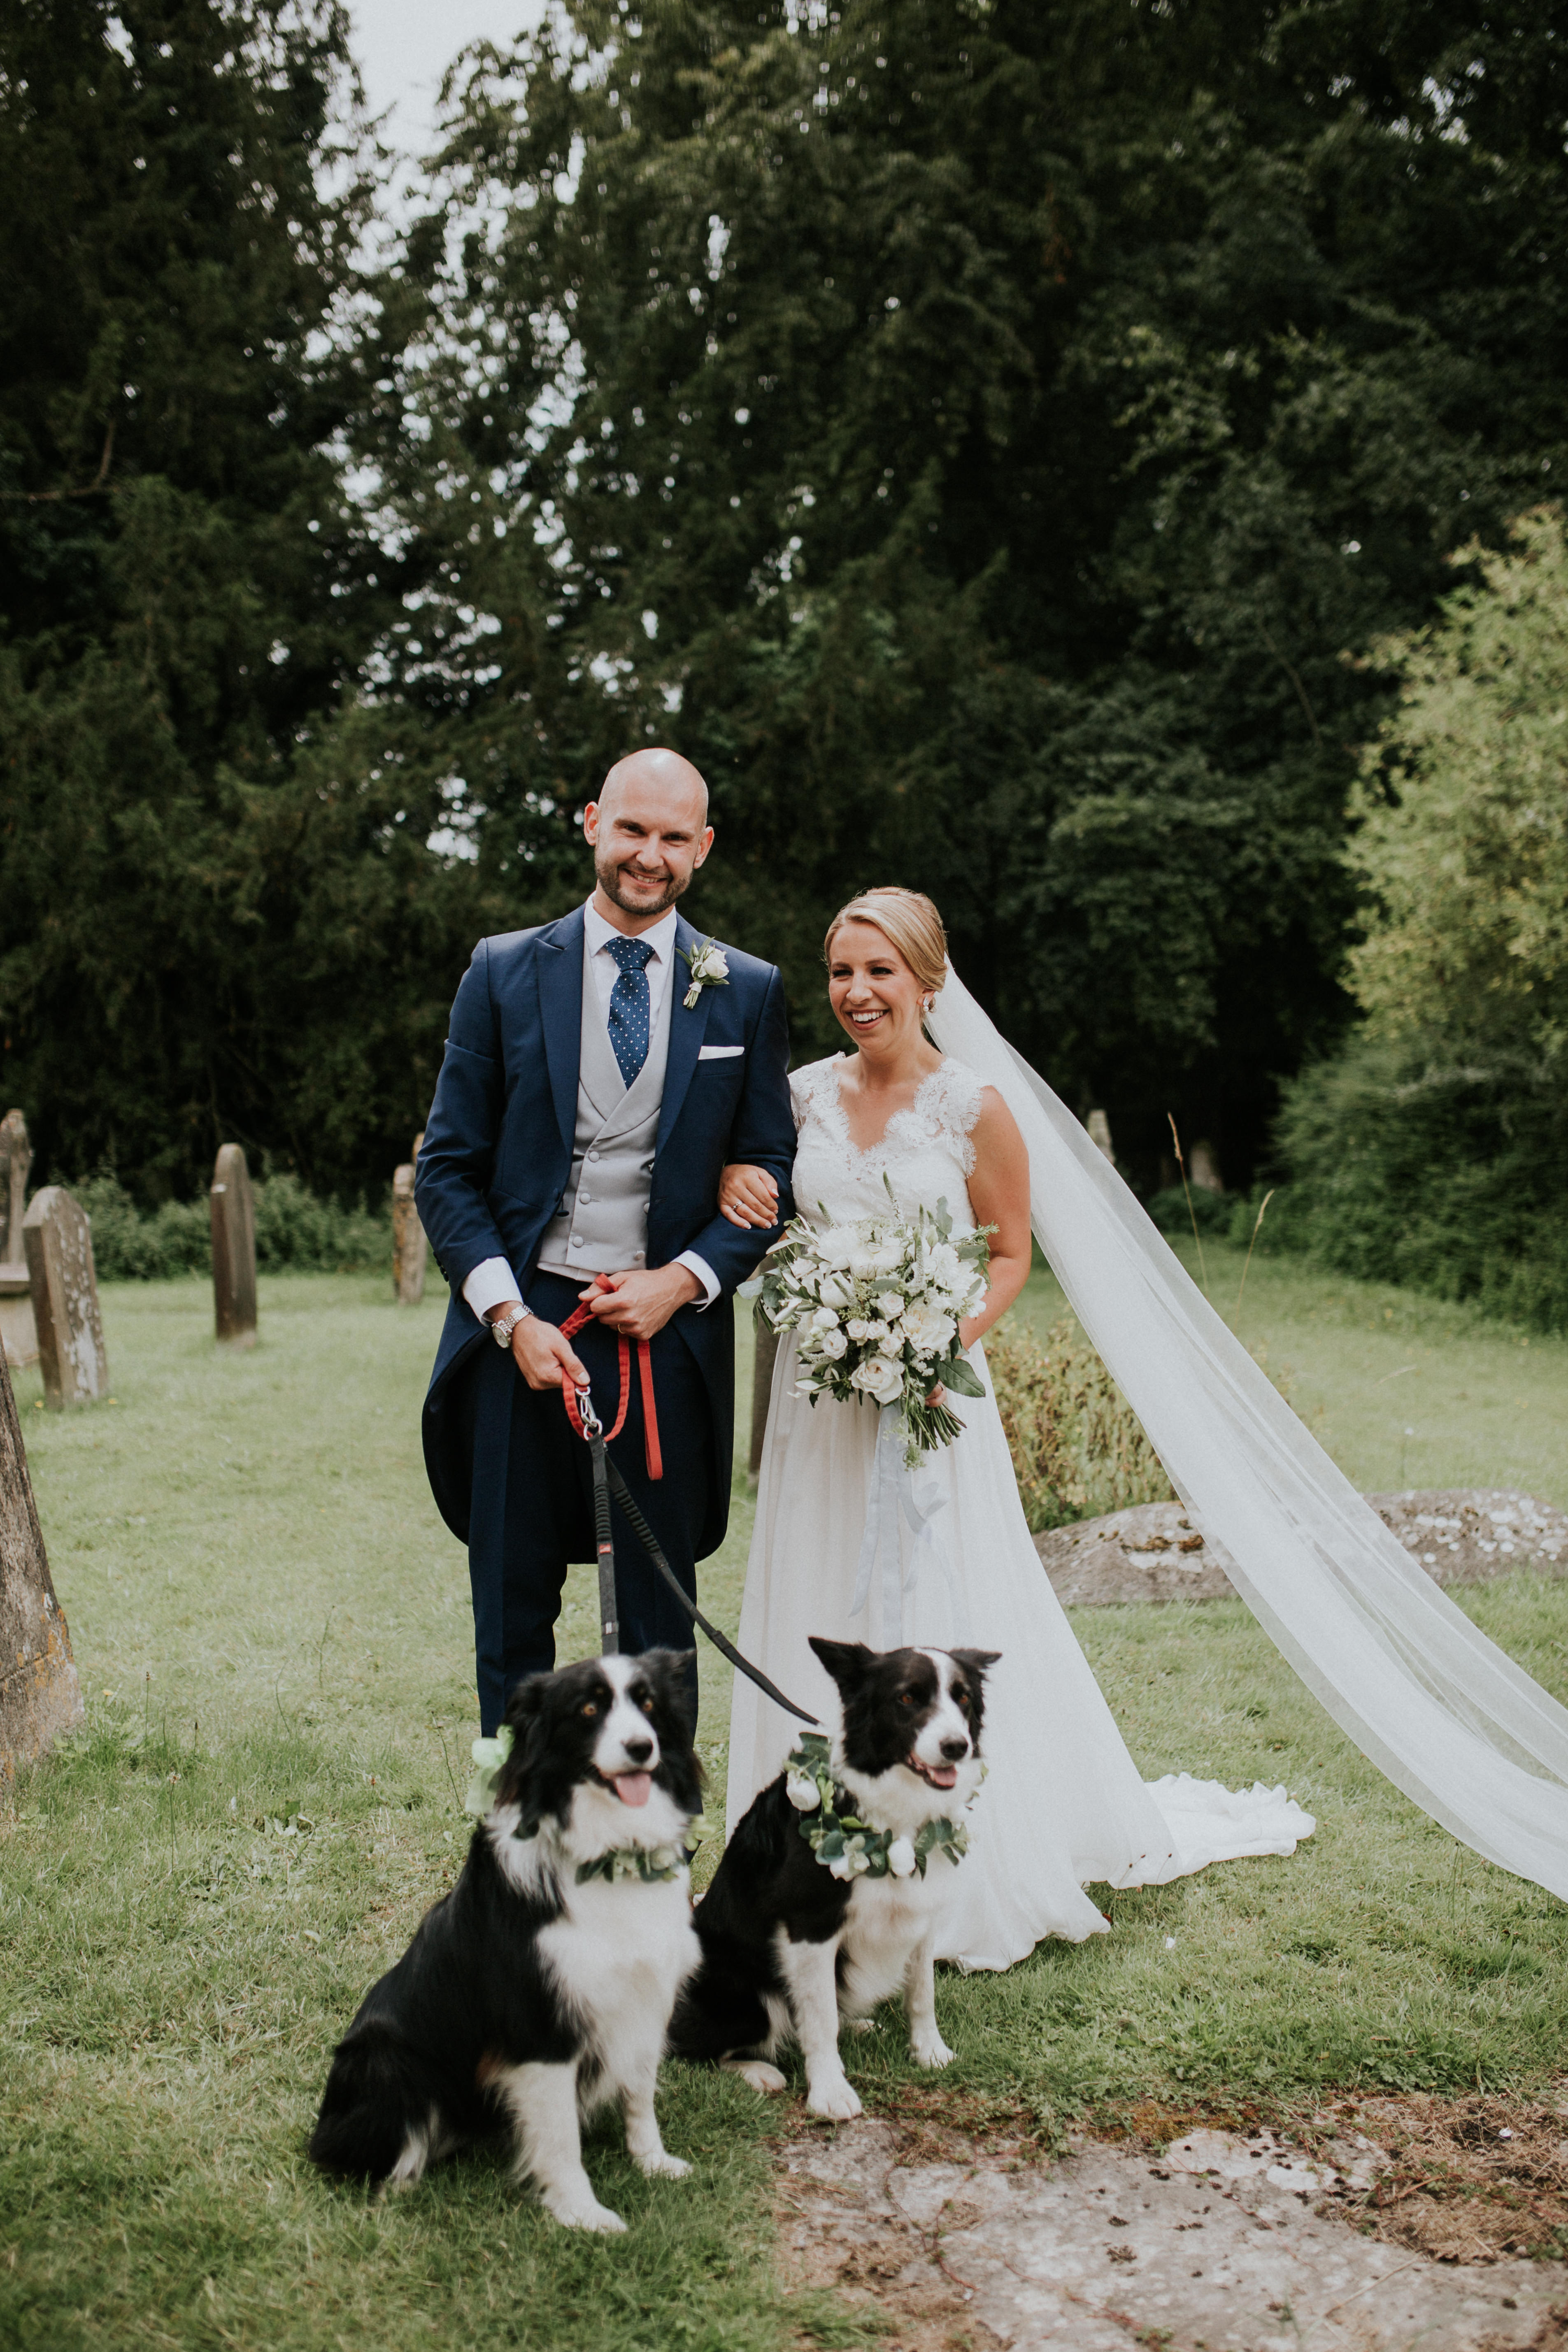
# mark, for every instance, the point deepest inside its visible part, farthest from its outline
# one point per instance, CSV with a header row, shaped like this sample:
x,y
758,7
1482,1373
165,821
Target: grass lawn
x,y
273,1633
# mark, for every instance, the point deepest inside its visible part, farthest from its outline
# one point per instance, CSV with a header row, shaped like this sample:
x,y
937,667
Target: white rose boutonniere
x,y
709,967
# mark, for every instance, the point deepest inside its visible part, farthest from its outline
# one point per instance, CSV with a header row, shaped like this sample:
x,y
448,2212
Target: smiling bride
x,y
1065,1804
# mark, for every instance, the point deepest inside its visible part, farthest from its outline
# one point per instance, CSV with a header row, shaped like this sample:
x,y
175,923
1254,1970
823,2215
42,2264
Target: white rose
x,y
803,1792
825,1320
837,1245
901,1858
877,1332
832,1344
834,1291
858,1328
890,1305
872,1258
879,1377
927,1328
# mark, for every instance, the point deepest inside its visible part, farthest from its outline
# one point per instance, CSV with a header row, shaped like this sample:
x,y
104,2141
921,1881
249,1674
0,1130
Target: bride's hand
x,y
748,1196
938,1395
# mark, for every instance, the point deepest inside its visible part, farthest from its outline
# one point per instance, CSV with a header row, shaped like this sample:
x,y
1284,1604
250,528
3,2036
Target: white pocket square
x,y
718,1052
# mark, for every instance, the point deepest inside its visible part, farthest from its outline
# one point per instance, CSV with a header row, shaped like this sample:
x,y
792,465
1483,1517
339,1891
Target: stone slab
x,y
71,1354
18,1331
40,1697
1158,1551
1224,2244
233,1249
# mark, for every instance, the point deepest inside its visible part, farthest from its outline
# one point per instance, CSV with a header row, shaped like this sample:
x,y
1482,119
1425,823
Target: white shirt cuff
x,y
704,1273
491,1282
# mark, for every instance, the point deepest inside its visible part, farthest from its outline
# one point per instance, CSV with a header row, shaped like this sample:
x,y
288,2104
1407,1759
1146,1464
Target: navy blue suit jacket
x,y
497,1146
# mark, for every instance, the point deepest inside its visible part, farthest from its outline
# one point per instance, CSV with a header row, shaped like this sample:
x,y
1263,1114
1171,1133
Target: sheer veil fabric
x,y
1440,1708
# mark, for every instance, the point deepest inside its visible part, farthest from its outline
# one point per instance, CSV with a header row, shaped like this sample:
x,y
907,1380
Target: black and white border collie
x,y
528,1998
788,1950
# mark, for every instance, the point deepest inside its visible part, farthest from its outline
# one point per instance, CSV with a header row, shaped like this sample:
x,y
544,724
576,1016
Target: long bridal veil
x,y
1427,1697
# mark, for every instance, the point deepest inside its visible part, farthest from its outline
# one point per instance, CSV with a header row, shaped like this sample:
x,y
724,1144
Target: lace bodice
x,y
926,1153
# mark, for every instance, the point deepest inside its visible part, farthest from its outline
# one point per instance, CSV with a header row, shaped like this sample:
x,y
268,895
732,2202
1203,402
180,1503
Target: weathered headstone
x,y
233,1249
1205,1167
40,1697
58,1241
1100,1134
762,1390
18,1332
409,1246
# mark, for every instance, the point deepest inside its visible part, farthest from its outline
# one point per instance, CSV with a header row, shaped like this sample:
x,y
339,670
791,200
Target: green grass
x,y
273,1633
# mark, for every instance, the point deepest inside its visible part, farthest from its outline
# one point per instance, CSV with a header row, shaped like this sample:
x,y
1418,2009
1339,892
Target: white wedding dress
x,y
1064,1803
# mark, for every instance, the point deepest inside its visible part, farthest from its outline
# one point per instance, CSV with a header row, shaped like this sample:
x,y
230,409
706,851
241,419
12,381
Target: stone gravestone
x,y
40,1697
18,1332
1205,1167
58,1241
409,1246
1100,1134
762,1390
233,1249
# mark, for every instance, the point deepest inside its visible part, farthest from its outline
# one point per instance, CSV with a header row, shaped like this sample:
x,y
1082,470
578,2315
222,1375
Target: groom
x,y
594,1084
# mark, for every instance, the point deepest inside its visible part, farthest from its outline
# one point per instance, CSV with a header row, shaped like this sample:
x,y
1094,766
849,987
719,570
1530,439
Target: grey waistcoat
x,y
602,1227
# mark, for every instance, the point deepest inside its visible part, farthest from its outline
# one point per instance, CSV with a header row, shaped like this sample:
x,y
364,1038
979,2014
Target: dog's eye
x,y
962,1695
906,1698
591,1707
646,1704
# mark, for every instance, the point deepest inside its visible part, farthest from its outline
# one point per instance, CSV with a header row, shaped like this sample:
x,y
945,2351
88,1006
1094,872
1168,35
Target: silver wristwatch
x,y
504,1326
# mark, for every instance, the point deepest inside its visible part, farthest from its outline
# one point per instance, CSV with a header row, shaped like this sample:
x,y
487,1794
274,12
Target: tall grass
x,y
1077,1447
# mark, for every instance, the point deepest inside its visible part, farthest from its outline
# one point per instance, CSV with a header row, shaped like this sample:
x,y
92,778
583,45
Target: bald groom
x,y
589,1097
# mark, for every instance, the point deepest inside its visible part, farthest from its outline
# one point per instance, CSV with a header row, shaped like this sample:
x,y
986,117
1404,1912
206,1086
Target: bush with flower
x,y
876,1307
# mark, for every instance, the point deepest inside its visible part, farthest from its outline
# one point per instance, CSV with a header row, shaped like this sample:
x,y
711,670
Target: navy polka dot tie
x,y
629,1006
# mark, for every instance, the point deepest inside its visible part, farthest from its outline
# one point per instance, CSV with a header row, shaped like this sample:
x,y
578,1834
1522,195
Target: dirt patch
x,y
1158,1551
967,2223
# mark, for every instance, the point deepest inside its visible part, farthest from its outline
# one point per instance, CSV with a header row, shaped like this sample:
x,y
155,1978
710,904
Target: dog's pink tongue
x,y
634,1788
944,1776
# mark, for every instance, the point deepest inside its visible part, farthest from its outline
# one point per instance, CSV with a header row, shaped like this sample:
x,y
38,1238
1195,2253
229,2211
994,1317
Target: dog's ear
x,y
670,1673
974,1662
848,1662
518,1781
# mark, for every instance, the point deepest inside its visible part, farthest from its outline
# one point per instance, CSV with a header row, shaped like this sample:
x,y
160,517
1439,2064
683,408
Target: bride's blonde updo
x,y
910,921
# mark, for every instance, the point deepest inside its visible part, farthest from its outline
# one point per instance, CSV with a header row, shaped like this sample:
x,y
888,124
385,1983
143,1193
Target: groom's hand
x,y
543,1353
639,1304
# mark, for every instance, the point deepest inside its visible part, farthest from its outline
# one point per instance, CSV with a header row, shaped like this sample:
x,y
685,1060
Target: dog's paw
x,y
583,2212
759,2075
662,2166
857,2025
835,2100
931,2050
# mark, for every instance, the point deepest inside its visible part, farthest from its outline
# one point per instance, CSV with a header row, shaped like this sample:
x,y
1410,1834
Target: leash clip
x,y
592,1425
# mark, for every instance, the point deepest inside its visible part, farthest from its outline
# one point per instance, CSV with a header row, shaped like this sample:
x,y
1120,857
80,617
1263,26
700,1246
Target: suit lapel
x,y
686,1032
561,1010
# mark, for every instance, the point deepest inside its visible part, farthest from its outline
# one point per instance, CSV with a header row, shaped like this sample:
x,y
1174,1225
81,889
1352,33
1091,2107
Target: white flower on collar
x,y
709,967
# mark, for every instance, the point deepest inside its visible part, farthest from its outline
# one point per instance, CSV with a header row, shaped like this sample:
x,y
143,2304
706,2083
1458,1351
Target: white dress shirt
x,y
492,1281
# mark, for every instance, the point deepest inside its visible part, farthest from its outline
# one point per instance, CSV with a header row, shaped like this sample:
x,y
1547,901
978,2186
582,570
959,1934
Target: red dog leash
x,y
574,1323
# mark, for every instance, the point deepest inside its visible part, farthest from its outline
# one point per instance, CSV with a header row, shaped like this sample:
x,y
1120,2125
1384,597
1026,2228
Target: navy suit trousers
x,y
528,1527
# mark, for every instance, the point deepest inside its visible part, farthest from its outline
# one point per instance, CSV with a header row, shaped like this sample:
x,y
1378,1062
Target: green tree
x,y
1433,1145
201,904
980,434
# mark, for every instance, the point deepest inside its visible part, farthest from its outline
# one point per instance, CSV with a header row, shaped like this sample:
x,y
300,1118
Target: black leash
x,y
608,1481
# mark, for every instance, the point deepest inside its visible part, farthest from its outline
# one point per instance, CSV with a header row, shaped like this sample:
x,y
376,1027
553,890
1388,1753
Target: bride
x,y
1065,1802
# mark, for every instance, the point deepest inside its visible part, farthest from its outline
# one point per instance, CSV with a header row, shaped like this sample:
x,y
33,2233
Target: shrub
x,y
294,1229
1213,1211
1077,1447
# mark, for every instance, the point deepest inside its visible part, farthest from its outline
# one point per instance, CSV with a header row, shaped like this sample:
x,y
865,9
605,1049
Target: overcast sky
x,y
404,46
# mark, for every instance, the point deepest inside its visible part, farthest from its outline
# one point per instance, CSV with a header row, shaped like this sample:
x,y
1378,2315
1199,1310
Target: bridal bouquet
x,y
877,1306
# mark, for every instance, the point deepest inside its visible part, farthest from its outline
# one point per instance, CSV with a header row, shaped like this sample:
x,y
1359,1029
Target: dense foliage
x,y
990,437
1432,1148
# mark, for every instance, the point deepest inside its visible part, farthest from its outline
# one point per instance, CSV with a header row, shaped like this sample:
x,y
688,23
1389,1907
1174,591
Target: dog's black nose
x,y
954,1750
639,1751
